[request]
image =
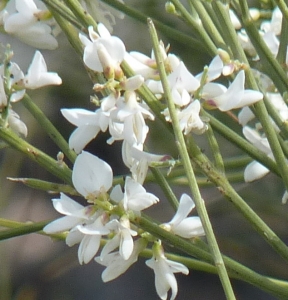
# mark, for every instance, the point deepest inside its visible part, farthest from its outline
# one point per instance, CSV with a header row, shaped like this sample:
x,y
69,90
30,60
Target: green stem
x,y
168,31
282,51
272,67
50,187
207,22
168,192
240,142
197,28
226,189
180,142
45,161
260,109
50,129
198,249
62,10
19,228
219,164
81,14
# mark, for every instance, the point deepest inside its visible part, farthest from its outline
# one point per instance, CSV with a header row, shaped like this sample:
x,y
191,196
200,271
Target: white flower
x,y
189,119
89,123
122,239
181,82
183,226
215,69
91,237
74,212
164,270
91,175
24,20
138,161
218,96
14,81
147,66
110,47
131,114
38,76
134,197
87,127
3,97
275,24
255,170
116,264
16,124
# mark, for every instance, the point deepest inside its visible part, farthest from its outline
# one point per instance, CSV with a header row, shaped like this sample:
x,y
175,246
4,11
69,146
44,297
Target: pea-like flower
x,y
164,270
183,226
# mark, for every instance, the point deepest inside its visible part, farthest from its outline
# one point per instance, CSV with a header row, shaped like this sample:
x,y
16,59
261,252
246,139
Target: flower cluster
x,y
13,85
108,215
106,226
30,22
269,31
123,113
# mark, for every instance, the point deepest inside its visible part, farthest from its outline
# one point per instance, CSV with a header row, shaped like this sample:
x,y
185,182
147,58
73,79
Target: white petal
x,y
126,244
254,171
81,136
245,116
186,204
74,237
181,79
79,116
66,206
61,224
249,97
233,95
91,174
38,76
189,227
110,246
88,248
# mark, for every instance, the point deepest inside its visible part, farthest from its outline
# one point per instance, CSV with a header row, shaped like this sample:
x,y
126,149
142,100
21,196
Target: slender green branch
x,y
207,22
50,187
45,161
240,142
62,10
81,14
196,26
272,67
20,228
180,142
161,180
226,189
219,164
282,51
260,109
199,249
50,129
168,31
